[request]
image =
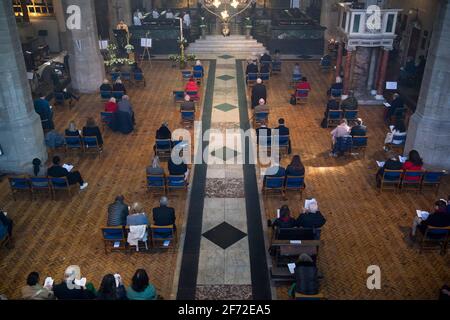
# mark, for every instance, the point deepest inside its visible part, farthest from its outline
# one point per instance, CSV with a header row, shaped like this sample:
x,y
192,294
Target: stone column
x,y
382,76
378,68
429,127
371,78
87,68
21,135
339,59
347,73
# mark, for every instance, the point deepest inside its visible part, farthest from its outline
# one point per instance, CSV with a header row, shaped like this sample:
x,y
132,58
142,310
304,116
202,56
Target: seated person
x,y
332,104
178,169
191,85
440,218
262,106
340,131
119,86
155,168
6,226
163,132
399,130
265,68
306,277
265,57
336,86
67,94
141,288
92,130
325,61
164,215
106,86
413,163
285,220
296,71
296,167
72,130
251,68
54,140
43,109
155,14
57,171
187,105
263,131
35,291
397,103
303,84
111,288
117,212
393,163
311,217
359,130
277,56
284,131
124,105
137,217
122,26
259,92
199,68
351,103
111,105
68,290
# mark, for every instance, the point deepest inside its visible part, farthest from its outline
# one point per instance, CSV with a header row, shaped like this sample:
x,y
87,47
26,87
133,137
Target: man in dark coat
x,y
306,276
164,215
117,212
359,130
259,91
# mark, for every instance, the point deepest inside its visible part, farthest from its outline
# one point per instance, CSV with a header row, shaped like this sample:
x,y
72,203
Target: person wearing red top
x,y
303,85
414,163
111,105
191,85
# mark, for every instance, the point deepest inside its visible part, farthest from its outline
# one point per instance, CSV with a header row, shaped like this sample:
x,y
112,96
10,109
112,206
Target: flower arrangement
x,y
112,59
129,47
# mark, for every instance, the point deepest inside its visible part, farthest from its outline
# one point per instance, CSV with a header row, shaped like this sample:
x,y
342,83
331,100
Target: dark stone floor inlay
x,y
225,153
226,56
225,77
224,235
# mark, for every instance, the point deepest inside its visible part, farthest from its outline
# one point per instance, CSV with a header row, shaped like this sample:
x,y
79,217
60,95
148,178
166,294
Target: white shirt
x,y
137,21
155,14
187,20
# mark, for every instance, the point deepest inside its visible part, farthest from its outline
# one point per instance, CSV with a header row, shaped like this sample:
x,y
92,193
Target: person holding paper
x,y
414,163
72,288
397,103
138,217
397,131
284,220
34,291
110,289
311,217
57,171
393,163
440,218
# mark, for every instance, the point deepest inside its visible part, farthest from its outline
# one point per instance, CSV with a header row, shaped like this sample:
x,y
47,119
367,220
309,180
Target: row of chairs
x,y
106,95
399,180
335,116
351,145
265,143
301,96
166,184
252,77
134,77
35,185
284,184
115,238
82,144
163,148
188,74
178,96
433,236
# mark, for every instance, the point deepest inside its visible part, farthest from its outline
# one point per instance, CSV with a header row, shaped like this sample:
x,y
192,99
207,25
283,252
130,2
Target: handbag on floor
x,y
293,100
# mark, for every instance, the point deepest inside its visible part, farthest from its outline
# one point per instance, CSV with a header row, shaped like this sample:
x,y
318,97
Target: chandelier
x,y
220,8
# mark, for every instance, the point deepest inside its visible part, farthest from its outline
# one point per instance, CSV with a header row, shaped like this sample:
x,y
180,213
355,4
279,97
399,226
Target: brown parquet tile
x,y
363,226
50,235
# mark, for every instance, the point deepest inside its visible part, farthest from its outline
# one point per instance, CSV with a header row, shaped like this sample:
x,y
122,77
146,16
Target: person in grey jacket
x,y
117,212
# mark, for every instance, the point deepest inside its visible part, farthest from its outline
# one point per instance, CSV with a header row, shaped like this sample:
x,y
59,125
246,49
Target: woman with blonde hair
x,y
72,130
138,216
92,130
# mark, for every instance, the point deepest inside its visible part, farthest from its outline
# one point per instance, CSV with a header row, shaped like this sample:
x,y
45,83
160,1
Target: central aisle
x,y
224,253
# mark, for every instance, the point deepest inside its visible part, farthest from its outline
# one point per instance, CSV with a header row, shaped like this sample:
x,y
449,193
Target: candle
x,y
181,29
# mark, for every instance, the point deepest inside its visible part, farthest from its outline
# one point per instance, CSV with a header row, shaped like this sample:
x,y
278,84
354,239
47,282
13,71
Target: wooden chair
x,y
334,117
261,117
273,184
162,234
115,75
186,75
19,184
350,115
414,182
391,179
433,236
90,144
115,236
308,297
176,182
39,184
60,184
163,148
283,144
432,179
118,95
73,143
276,67
295,183
296,78
360,144
139,77
301,96
107,119
178,96
251,79
187,118
145,241
336,93
105,95
156,182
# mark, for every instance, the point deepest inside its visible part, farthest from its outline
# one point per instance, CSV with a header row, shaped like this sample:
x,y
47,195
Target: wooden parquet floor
x,y
51,235
364,227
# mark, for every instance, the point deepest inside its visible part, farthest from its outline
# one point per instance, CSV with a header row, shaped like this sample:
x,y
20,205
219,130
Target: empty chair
x,y
276,66
178,96
114,238
19,184
39,184
432,179
391,179
59,184
273,184
264,76
187,118
156,182
118,95
73,143
351,115
301,95
91,144
334,117
138,77
125,76
176,182
59,98
295,183
186,75
164,235
107,119
435,235
251,78
105,95
163,148
412,180
115,75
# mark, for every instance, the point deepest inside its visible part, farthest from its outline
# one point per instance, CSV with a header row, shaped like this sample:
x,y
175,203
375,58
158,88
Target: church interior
x,y
225,150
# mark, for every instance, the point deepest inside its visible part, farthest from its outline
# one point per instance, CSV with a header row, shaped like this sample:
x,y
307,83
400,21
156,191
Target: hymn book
x,y
68,167
422,214
291,267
